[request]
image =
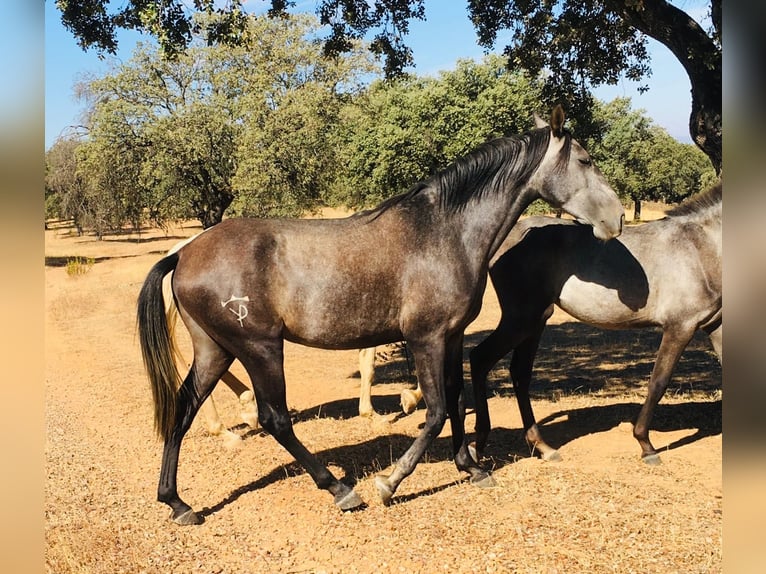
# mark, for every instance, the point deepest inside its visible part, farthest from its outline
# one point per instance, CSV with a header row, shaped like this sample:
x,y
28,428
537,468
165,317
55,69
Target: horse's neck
x,y
491,220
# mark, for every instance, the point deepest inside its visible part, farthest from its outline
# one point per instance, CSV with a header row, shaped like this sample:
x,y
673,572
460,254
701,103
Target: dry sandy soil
x,y
599,510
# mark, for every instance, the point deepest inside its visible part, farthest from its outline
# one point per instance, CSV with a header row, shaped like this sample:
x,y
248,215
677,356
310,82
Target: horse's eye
x,y
585,160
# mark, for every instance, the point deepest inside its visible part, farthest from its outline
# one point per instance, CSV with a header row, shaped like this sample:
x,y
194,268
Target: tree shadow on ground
x,y
573,359
64,260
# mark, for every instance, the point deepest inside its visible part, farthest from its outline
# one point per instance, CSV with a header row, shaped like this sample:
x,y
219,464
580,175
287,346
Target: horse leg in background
x,y
249,412
215,426
522,363
521,334
367,375
264,364
674,341
456,411
409,399
210,363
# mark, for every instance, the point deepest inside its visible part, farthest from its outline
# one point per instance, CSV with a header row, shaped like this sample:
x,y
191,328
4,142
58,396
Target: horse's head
x,y
567,178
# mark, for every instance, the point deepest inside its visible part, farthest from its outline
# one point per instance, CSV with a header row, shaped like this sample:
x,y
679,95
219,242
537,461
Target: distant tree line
x,y
275,127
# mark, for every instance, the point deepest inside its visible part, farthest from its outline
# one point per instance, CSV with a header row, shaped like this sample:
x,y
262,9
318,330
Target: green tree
x,y
578,43
218,126
401,131
288,153
65,189
675,170
642,161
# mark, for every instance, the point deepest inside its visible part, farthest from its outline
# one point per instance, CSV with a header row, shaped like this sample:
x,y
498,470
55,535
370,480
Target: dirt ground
x,y
599,510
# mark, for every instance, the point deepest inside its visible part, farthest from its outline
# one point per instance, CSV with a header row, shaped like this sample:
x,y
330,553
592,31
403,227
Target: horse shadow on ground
x,y
506,446
703,418
356,461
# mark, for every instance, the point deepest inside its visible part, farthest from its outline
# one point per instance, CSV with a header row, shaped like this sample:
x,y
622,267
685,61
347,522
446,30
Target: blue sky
x,y
446,36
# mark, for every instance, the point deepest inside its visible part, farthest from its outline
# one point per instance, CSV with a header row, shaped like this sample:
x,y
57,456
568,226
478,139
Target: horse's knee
x,y
276,423
435,419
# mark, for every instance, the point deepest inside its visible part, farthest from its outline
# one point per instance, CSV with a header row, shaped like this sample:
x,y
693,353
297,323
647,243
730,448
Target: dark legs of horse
x,y
432,361
264,364
483,357
456,412
673,343
199,383
521,375
522,335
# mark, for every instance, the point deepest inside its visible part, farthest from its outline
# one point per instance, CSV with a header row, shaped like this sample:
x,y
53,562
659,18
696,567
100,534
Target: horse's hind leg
x,y
673,343
522,363
264,364
210,362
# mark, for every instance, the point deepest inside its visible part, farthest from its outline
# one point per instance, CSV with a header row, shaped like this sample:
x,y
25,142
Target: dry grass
x,y
598,511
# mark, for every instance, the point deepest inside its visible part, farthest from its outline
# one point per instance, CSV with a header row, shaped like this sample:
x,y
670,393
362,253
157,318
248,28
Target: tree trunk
x,y
636,209
699,56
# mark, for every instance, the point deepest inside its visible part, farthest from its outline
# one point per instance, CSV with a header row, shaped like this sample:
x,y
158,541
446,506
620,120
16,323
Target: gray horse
x,y
664,273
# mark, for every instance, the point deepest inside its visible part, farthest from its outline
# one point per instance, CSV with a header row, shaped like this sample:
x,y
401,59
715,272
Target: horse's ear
x,y
539,122
557,120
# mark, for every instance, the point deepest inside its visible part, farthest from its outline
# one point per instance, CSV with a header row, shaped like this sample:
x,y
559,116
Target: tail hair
x,y
158,347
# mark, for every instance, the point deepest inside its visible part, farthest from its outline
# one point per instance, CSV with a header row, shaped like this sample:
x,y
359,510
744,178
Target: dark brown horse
x,y
664,273
412,269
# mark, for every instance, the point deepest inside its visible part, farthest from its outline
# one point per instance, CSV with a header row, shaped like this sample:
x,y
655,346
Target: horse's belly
x,y
604,306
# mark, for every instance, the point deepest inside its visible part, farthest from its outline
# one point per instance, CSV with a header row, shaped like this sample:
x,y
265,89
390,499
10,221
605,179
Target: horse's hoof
x,y
408,401
231,440
552,456
187,518
483,480
385,491
652,459
348,501
472,451
250,419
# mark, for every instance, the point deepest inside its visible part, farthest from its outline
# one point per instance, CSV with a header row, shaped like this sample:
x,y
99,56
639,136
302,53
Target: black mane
x,y
487,169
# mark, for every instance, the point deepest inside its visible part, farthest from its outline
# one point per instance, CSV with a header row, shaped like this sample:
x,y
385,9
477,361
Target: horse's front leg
x,y
429,365
483,358
673,343
456,412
